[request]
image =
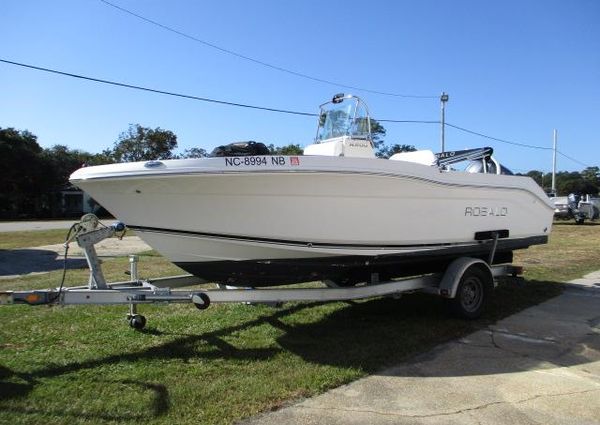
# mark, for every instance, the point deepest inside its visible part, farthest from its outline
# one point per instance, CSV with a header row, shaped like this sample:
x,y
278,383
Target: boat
x,y
337,213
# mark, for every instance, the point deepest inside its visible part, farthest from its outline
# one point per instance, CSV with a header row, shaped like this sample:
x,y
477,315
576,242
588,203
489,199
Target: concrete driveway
x,y
540,366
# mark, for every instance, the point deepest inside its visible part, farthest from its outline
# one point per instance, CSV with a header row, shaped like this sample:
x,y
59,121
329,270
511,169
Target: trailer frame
x,y
466,284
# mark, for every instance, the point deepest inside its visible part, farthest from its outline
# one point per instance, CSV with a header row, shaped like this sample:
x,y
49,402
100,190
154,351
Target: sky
x,y
514,70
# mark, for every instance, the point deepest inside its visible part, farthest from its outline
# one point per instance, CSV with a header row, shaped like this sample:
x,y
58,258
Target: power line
x,y
131,86
409,121
256,61
264,108
517,143
524,145
572,159
186,96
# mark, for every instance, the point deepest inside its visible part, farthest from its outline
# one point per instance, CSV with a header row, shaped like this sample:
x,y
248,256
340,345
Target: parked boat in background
x,y
576,207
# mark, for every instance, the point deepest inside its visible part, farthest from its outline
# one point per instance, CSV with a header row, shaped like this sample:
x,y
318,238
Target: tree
x,y
63,161
377,134
586,182
193,153
537,176
573,182
32,178
104,157
60,162
592,175
22,175
388,151
144,144
291,149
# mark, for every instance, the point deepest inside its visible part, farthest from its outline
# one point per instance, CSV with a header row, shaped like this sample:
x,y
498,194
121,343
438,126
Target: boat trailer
x,y
467,284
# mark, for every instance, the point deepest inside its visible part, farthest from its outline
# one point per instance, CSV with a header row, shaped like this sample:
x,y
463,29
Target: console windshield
x,y
345,117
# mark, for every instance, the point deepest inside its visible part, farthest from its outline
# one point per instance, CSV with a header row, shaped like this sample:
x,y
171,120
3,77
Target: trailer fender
x,y
454,272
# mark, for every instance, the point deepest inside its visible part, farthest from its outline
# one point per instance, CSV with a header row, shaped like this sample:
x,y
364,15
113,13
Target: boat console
x,y
344,129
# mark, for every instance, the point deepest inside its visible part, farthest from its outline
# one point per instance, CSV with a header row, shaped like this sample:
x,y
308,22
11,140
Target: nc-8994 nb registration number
x,y
258,161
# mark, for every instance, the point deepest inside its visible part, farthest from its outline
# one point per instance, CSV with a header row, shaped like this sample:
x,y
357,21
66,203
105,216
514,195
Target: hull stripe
x,y
533,240
209,172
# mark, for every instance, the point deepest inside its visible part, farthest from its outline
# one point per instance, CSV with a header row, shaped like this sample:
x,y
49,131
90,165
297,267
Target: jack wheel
x,y
137,321
205,301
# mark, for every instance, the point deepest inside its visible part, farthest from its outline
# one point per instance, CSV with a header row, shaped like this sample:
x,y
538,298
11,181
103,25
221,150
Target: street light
x,y
443,99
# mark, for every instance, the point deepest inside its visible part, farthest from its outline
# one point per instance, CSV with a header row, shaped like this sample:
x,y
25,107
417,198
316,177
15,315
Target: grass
x,y
13,240
83,365
573,251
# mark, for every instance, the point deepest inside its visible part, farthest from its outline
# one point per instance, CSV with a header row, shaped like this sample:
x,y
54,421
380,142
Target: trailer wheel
x,y
205,301
137,321
473,293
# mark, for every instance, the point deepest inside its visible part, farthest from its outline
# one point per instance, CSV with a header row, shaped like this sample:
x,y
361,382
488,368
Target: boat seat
x,y
425,157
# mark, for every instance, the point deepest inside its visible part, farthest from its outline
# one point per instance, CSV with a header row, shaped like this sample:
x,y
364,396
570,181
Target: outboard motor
x,y
480,161
573,203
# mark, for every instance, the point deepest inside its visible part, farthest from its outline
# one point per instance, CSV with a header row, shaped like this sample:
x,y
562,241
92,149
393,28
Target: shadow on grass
x,y
24,261
384,332
159,406
15,384
367,335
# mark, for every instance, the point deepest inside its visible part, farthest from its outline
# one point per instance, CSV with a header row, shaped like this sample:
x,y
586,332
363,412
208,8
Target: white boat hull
x,y
248,221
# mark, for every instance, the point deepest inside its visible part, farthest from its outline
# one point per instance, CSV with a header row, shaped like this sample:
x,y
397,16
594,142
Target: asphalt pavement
x,y
43,259
21,226
540,366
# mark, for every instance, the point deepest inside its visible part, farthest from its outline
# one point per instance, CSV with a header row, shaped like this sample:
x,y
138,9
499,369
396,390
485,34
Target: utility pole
x,y
443,99
554,162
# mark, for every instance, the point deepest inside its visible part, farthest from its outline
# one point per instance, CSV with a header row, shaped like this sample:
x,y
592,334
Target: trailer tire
x,y
473,294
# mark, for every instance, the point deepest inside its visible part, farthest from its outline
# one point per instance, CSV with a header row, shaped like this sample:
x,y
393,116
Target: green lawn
x,y
12,240
83,365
